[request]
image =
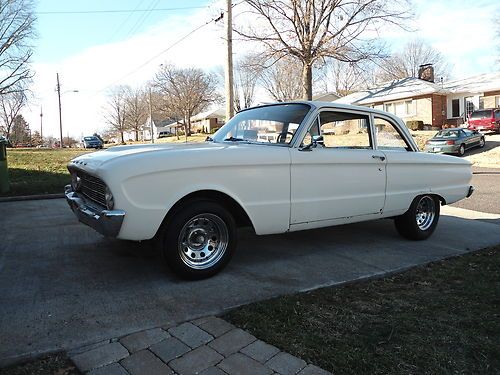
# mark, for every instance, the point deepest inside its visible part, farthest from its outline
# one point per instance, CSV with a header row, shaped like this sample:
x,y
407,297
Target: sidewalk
x,y
206,346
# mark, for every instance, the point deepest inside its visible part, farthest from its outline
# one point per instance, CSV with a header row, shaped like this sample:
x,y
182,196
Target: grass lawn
x,y
38,171
43,171
442,318
56,364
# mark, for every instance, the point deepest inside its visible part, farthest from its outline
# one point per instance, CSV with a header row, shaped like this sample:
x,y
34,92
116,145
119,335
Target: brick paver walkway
x,y
206,346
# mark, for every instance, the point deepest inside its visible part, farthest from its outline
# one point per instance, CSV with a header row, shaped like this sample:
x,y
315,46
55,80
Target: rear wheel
x,y
199,240
421,219
482,142
461,150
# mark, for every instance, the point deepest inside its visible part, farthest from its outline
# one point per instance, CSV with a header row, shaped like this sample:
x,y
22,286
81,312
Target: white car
x,y
191,198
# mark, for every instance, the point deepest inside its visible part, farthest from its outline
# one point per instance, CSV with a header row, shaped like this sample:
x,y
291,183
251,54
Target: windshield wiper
x,y
209,139
234,139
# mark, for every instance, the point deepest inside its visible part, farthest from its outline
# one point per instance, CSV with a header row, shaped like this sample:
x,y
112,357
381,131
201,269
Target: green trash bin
x,y
4,174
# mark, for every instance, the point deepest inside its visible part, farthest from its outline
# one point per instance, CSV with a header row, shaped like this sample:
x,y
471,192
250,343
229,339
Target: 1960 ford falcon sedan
x,y
278,168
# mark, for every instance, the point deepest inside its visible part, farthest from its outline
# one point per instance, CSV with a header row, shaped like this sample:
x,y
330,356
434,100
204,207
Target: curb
x,y
31,197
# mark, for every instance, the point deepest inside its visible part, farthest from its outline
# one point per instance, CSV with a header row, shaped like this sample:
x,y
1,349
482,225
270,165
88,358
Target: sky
x,y
92,52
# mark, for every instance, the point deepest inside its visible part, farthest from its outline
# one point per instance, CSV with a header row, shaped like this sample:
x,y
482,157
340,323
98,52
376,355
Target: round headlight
x,y
75,182
110,202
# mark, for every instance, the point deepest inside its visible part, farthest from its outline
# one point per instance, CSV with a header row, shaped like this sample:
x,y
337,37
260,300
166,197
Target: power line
x,y
162,52
143,18
216,19
125,21
117,10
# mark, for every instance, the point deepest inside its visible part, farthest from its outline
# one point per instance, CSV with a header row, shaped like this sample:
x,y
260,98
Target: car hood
x,y
94,160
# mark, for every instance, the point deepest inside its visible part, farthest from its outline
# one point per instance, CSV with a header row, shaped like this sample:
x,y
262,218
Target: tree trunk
x,y
188,125
307,82
123,139
136,135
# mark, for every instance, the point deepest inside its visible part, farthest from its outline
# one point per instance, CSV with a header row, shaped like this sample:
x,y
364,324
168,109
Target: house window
x,y
481,102
497,101
455,108
401,109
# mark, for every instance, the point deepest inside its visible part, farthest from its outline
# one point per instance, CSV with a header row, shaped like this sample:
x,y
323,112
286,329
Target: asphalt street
x,y
62,285
486,197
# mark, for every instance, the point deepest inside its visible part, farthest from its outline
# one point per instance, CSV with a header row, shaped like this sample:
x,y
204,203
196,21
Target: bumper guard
x,y
106,222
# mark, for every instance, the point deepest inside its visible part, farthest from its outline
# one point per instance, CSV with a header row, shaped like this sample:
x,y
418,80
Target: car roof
x,y
332,105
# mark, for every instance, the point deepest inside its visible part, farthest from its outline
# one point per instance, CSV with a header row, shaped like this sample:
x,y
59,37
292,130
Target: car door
x,y
340,175
406,171
468,138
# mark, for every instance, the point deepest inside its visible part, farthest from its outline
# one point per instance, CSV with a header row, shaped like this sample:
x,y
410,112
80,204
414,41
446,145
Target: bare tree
x,y
345,78
247,73
407,62
185,92
136,110
115,112
16,31
313,30
282,80
10,106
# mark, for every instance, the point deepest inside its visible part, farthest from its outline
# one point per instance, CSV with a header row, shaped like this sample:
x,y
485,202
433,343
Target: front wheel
x,y
482,142
200,240
421,219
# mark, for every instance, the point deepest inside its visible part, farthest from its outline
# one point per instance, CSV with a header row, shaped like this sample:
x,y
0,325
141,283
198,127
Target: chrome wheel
x,y
482,142
203,240
425,212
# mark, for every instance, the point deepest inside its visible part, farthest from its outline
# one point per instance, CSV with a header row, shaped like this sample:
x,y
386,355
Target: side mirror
x,y
318,140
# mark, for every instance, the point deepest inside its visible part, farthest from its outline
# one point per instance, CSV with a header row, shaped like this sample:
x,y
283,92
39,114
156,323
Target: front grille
x,y
92,188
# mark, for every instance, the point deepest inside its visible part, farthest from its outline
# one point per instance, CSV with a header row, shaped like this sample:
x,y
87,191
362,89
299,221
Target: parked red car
x,y
485,120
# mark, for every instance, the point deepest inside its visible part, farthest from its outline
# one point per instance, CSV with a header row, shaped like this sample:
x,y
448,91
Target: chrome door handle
x,y
378,157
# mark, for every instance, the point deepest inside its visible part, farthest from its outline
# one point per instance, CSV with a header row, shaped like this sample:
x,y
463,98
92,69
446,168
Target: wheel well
x,y
441,199
239,214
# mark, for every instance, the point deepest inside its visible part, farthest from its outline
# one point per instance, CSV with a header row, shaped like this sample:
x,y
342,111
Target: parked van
x,y
485,120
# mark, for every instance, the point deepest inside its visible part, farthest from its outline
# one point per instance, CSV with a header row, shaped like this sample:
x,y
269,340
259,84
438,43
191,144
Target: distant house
x,y
436,104
206,122
325,97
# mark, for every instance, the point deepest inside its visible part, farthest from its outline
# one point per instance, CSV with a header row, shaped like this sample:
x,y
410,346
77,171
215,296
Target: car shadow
x,y
489,145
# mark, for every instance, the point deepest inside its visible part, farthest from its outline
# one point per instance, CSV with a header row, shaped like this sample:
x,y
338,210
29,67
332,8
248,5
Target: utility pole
x,y
151,116
41,124
229,62
60,117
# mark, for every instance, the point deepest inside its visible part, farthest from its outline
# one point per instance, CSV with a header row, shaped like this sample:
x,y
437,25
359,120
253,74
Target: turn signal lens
x,y
110,202
75,182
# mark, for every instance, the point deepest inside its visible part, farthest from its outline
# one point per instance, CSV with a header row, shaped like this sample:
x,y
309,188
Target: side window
x,y
313,130
388,137
342,130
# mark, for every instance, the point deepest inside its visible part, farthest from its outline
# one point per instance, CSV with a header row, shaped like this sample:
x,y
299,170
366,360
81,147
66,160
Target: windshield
x,y
275,124
447,134
481,114
90,138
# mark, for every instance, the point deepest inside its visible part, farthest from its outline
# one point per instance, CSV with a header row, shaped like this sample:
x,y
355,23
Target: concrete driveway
x,y
62,285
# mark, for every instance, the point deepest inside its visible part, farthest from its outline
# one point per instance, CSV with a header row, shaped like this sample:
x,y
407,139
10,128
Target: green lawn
x,y
39,171
43,171
442,318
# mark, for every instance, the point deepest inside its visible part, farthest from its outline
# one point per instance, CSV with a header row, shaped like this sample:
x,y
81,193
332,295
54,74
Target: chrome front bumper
x,y
106,222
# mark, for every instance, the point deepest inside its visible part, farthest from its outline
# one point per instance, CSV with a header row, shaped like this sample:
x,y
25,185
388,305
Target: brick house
x,y
436,104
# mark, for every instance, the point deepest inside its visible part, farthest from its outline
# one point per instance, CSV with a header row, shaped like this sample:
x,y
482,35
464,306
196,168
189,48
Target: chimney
x,y
426,72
